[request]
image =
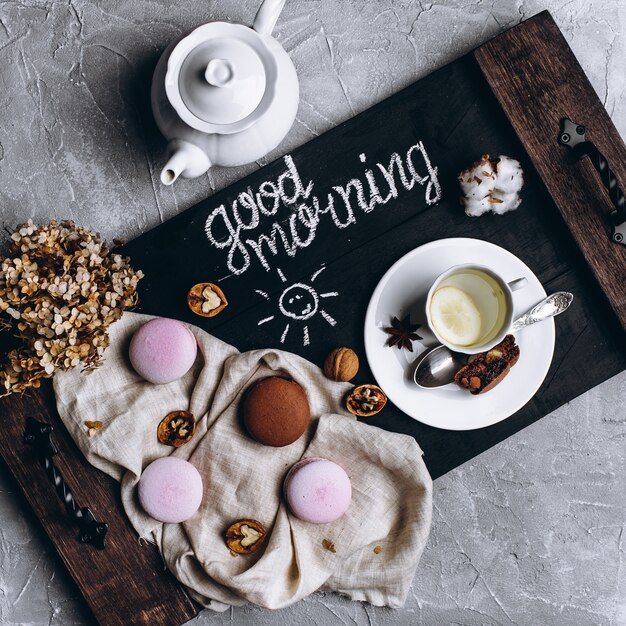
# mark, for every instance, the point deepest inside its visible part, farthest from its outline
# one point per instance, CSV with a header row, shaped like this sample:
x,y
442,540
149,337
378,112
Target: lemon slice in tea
x,y
455,316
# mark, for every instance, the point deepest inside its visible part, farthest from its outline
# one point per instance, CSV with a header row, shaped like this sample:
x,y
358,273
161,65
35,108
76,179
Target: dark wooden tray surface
x,y
492,100
534,108
458,117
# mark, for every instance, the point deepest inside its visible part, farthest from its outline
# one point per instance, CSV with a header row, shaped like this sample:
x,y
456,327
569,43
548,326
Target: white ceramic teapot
x,y
225,94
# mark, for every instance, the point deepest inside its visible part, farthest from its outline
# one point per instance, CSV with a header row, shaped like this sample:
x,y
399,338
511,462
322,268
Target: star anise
x,y
402,333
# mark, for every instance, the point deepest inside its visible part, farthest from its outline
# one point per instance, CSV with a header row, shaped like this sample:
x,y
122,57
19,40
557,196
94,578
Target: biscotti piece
x,y
486,369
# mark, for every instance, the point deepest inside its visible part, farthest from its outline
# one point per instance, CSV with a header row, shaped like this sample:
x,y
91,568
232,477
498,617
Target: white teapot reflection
x,y
224,95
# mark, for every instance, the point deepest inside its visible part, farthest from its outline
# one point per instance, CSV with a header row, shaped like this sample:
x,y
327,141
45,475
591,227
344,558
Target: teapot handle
x,y
267,16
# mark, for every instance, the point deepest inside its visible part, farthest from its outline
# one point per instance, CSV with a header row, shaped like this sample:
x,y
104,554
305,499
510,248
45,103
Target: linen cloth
x,y
392,490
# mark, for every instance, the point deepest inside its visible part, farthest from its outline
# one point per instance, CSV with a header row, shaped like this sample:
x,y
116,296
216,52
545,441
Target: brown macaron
x,y
276,411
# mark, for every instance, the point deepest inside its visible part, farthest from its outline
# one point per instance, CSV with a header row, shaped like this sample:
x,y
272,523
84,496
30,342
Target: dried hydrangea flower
x,y
60,290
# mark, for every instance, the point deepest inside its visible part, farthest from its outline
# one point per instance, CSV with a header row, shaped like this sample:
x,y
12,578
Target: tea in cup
x,y
470,308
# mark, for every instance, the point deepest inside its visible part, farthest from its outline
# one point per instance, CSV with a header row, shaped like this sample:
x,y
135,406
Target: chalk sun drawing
x,y
298,303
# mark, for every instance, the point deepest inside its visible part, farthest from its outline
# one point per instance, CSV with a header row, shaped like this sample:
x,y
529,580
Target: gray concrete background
x,y
530,532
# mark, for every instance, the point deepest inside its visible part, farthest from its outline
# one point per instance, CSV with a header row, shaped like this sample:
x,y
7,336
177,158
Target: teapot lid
x,y
221,78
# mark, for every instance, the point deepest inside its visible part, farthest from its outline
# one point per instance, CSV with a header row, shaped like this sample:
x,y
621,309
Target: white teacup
x,y
491,294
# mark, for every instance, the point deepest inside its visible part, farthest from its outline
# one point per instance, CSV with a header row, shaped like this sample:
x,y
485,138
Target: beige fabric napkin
x,y
392,490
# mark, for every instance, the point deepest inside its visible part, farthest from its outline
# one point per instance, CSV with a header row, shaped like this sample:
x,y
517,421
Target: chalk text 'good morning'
x,y
232,227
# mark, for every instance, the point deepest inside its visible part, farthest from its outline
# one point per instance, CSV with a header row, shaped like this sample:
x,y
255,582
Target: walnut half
x,y
206,300
366,400
176,428
245,536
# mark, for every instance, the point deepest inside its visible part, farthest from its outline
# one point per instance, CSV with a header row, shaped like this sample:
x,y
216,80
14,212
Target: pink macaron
x,y
170,490
162,350
317,490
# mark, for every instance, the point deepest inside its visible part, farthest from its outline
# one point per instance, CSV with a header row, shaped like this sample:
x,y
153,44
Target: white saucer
x,y
403,290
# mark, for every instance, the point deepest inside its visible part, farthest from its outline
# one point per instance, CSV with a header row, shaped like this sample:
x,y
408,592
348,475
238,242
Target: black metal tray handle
x,y
39,435
573,136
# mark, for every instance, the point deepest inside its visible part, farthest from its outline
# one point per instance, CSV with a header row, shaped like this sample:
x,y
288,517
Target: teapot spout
x,y
267,16
186,160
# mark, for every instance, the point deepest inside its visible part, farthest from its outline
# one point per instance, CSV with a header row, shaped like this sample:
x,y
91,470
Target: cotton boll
x,y
476,207
508,202
491,185
479,180
510,177
479,190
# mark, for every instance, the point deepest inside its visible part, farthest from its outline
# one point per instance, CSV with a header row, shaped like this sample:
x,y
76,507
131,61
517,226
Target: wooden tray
x,y
507,97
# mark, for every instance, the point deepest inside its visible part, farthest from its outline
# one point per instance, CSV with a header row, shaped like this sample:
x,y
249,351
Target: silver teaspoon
x,y
438,366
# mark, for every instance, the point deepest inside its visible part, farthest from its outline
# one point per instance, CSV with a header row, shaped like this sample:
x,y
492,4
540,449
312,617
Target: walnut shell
x,y
366,400
197,299
176,428
245,536
342,364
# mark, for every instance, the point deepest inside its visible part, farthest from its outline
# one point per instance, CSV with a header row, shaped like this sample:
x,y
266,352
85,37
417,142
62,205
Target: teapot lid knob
x,y
219,73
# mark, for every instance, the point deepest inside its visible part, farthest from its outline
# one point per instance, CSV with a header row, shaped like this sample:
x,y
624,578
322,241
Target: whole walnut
x,y
342,364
